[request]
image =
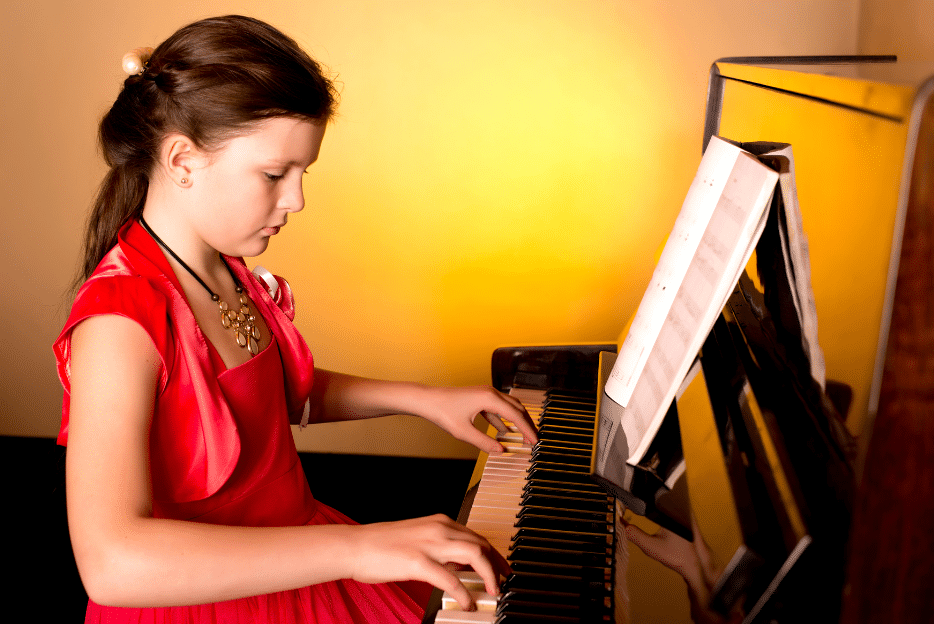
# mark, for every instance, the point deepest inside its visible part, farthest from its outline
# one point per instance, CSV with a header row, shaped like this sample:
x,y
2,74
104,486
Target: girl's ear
x,y
180,159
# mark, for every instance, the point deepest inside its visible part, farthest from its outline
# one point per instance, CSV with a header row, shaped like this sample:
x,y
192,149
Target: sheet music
x,y
684,299
699,204
797,261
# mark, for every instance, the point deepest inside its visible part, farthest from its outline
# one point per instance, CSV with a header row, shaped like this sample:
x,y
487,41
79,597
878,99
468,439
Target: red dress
x,y
221,449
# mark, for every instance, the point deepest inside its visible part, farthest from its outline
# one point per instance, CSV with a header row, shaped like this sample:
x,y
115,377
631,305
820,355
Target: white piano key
x,y
450,616
493,512
483,600
469,577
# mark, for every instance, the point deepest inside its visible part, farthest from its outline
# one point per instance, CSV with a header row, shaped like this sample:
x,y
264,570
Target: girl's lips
x,y
271,231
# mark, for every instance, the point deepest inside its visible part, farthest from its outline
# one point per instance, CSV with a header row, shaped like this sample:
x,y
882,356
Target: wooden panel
x,y
891,565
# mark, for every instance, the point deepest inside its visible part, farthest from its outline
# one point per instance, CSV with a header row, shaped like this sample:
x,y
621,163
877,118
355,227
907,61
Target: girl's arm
x,y
128,558
336,396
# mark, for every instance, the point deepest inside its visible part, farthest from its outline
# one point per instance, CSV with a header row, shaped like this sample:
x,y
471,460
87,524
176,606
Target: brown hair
x,y
209,81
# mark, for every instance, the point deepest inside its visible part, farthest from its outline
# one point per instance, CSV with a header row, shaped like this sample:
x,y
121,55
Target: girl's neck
x,y
184,242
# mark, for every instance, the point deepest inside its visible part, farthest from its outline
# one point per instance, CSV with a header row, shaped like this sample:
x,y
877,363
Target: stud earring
x,y
184,180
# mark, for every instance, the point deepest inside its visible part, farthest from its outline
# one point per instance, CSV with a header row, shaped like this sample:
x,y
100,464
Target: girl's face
x,y
247,188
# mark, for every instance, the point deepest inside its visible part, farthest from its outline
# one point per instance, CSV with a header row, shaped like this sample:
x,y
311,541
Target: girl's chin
x,y
251,249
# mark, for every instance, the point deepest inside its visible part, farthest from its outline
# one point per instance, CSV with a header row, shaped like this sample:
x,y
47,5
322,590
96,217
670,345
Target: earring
x,y
184,180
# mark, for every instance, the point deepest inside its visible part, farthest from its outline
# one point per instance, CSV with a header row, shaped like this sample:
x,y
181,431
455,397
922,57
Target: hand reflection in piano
x,y
693,561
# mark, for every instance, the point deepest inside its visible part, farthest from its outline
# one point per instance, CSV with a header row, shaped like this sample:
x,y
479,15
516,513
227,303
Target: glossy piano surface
x,y
864,154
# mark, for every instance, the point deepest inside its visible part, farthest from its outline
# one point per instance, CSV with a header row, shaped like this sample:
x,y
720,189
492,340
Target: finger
x,y
482,441
474,550
447,582
498,408
527,428
522,421
484,567
495,420
500,564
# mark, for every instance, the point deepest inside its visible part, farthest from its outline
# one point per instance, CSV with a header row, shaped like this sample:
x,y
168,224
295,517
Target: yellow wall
x,y
501,172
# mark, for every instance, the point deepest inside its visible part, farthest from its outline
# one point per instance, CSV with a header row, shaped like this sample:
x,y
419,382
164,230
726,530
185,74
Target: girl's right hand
x,y
418,549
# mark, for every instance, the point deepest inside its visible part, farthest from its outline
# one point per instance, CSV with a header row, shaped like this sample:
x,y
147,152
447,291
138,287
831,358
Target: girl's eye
x,y
273,177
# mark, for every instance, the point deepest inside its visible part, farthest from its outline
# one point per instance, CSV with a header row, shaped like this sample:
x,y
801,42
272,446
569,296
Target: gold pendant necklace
x,y
241,320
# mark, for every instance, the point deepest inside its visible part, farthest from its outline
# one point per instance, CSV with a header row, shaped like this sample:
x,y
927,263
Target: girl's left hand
x,y
455,409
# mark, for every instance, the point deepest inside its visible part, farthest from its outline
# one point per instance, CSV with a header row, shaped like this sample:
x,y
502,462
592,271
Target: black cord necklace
x,y
242,321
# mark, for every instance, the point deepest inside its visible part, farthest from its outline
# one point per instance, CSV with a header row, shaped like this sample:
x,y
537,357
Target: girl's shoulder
x,y
116,288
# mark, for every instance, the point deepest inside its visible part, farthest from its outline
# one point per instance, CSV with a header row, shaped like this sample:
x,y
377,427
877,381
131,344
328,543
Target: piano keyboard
x,y
539,506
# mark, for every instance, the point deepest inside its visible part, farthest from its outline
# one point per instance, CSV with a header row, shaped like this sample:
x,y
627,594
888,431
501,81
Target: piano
x,y
811,529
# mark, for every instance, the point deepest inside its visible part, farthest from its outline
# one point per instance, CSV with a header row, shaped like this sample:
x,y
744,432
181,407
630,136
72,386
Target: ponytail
x,y
119,199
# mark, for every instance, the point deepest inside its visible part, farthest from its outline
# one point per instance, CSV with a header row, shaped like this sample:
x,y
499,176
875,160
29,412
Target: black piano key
x,y
551,465
568,405
567,502
593,579
554,497
572,453
567,459
555,583
594,537
543,521
551,434
521,618
559,429
569,513
568,419
543,554
576,446
519,604
577,486
598,601
517,610
559,476
593,549
558,432
595,492
572,393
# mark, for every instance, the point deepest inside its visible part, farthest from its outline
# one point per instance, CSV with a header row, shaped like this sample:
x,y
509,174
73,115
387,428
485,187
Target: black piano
x,y
815,498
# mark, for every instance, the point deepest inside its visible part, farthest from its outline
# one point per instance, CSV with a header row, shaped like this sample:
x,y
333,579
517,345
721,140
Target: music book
x,y
711,242
794,253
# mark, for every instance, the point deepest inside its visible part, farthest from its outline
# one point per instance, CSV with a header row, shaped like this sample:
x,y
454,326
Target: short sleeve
x,y
132,297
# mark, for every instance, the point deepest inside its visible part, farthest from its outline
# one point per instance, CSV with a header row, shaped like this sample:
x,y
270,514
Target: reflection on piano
x,y
561,531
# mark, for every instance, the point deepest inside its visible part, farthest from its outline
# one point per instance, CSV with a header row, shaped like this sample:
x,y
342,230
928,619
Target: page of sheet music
x,y
699,204
725,245
798,263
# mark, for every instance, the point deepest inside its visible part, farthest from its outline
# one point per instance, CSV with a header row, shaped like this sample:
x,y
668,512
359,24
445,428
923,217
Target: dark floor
x,y
38,554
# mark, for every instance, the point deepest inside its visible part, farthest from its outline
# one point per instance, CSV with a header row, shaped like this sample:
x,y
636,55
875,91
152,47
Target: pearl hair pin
x,y
134,61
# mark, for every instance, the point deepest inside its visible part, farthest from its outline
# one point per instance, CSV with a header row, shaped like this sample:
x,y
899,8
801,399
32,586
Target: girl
x,y
182,369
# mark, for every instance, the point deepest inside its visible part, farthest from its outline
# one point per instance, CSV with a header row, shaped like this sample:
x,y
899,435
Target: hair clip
x,y
135,61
